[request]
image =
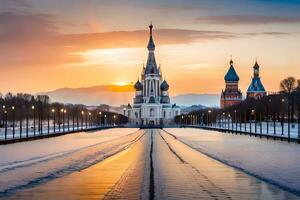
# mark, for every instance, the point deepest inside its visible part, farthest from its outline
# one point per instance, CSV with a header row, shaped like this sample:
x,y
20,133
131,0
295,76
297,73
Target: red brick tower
x,y
231,95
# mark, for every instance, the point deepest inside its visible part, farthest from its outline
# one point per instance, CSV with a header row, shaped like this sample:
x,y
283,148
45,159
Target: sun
x,y
122,83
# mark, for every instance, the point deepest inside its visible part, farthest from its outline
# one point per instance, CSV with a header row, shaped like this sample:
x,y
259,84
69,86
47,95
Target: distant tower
x,y
256,89
231,95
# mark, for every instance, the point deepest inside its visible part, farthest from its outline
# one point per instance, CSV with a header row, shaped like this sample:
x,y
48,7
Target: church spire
x,y
151,45
256,69
151,67
151,27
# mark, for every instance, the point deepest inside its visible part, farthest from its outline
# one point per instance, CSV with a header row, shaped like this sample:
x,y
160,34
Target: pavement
x,y
155,166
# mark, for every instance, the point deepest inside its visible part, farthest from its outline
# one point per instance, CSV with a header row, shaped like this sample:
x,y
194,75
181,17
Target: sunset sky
x,y
50,44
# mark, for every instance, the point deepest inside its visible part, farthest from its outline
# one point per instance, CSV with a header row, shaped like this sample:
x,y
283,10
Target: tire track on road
x,y
221,192
86,162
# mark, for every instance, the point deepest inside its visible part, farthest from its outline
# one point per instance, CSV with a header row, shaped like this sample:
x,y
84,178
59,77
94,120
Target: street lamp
x,y
208,117
53,111
5,113
252,114
13,115
82,113
89,120
63,118
33,109
100,113
282,117
254,117
235,121
68,118
228,121
3,107
115,119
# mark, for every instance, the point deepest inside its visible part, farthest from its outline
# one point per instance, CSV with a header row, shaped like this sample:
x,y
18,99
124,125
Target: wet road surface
x,y
155,166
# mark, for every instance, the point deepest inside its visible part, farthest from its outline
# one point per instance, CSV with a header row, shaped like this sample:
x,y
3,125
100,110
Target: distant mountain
x,y
116,95
197,99
185,110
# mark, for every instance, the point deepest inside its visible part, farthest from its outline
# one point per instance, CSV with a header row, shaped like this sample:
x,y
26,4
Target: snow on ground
x,y
45,147
274,161
29,163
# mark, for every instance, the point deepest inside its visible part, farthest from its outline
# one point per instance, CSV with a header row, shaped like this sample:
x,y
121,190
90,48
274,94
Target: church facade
x,y
151,104
232,94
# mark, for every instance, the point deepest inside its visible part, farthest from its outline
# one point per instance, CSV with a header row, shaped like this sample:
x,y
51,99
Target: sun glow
x,y
122,83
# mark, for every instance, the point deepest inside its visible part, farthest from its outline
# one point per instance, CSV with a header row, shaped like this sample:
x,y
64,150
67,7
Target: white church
x,y
151,104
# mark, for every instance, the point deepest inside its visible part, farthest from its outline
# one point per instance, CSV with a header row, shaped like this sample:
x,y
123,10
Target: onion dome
x,y
138,86
231,75
164,86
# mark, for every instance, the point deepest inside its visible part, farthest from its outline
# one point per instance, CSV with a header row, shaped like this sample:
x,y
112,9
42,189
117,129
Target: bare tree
x,y
288,85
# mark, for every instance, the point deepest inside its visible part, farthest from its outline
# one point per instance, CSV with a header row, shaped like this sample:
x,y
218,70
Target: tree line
x,y
22,105
283,106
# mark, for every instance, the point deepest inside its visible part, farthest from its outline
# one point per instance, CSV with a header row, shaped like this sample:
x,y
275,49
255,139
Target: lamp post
x,y
228,121
27,120
53,111
13,116
100,115
77,119
58,120
5,113
235,121
3,122
282,116
252,117
33,109
104,120
48,122
115,119
68,119
268,117
73,120
222,119
63,119
21,121
208,120
86,120
255,124
82,113
89,120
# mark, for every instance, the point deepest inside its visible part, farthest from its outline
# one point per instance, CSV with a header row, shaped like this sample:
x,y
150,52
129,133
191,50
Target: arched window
x,y
151,112
136,114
